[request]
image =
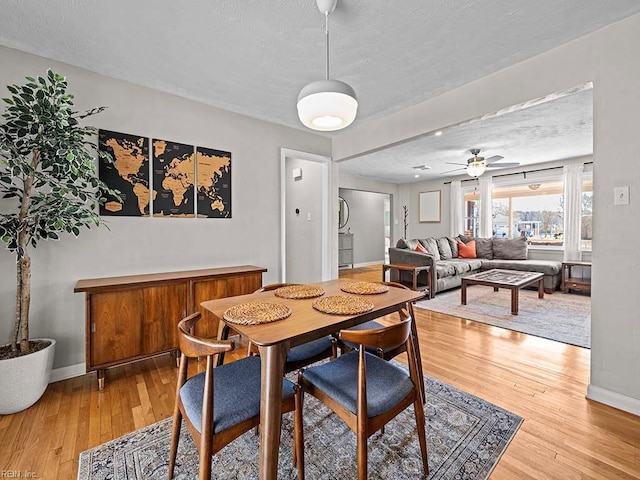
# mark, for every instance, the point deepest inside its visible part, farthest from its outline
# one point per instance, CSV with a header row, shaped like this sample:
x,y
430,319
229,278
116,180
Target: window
x,y
532,210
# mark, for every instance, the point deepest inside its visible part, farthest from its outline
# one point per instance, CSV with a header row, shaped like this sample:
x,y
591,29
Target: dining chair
x,y
364,390
221,403
390,353
307,353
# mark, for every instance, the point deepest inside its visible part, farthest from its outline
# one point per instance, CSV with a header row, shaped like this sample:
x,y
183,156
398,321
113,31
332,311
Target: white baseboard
x,y
365,264
71,371
613,399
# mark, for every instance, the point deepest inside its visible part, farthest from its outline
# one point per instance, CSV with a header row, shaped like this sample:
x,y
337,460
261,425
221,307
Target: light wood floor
x,y
564,436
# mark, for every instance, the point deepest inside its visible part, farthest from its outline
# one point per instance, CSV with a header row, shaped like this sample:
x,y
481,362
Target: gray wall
x,y
303,230
144,245
366,222
609,58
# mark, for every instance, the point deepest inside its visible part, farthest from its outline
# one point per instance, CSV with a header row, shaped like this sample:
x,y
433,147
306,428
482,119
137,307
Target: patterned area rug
x,y
466,437
561,317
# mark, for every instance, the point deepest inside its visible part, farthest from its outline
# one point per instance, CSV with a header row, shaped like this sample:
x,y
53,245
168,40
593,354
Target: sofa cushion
x,y
484,248
432,247
548,267
402,243
510,248
467,250
410,244
420,248
444,248
453,244
457,266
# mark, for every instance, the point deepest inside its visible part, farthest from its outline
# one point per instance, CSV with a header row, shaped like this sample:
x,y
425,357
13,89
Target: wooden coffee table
x,y
511,279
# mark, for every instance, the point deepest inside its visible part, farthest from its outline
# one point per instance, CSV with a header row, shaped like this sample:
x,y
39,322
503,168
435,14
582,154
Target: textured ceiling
x,y
553,128
254,56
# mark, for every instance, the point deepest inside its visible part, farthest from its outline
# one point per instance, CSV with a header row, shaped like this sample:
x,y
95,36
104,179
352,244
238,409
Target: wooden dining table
x,y
276,338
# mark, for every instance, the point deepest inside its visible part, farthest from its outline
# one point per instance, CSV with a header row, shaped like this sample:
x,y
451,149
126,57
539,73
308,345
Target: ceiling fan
x,y
476,165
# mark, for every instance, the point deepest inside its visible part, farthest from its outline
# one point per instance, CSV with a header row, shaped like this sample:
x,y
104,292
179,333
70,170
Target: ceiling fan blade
x,y
502,165
455,163
495,158
454,170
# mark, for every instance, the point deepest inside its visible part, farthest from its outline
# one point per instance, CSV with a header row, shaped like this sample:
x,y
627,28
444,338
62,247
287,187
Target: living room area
x,y
529,372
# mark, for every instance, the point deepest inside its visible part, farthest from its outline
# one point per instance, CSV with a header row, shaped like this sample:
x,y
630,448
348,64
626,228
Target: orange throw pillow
x,y
420,248
468,250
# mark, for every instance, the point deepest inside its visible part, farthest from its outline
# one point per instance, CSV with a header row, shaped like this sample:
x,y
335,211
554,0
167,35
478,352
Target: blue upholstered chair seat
x,y
387,384
236,394
309,350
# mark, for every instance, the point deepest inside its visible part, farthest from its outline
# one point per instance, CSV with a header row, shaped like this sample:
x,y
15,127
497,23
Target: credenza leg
x,y
101,379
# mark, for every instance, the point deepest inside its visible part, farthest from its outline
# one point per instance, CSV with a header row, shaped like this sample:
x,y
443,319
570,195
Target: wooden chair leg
x,y
298,434
361,453
422,436
175,439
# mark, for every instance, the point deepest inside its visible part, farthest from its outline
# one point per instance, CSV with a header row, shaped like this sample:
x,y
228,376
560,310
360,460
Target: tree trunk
x,y
25,270
23,285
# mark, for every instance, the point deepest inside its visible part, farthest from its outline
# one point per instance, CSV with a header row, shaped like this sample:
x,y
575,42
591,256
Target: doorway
x,y
368,225
305,207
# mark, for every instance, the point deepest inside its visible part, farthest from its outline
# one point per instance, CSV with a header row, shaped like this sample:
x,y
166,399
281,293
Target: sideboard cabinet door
x,y
164,307
116,330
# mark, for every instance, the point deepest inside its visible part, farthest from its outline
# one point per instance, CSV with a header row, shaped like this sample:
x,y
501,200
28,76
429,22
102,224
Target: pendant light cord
x,y
326,30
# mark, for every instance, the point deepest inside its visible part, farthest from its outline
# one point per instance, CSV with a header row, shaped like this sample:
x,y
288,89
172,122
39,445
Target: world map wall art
x,y
187,181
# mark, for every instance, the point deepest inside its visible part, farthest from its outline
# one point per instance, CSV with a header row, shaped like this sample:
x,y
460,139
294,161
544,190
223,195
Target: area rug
x,y
561,317
466,437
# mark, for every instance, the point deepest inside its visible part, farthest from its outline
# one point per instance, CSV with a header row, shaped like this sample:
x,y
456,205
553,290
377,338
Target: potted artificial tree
x,y
48,186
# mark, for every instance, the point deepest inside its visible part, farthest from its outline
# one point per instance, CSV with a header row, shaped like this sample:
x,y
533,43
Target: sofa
x,y
448,267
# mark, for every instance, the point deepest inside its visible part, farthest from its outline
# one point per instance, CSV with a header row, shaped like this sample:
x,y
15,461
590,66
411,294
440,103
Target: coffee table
x,y
511,279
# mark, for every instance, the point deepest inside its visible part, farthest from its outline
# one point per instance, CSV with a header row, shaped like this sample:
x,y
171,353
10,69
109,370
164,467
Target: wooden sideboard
x,y
135,317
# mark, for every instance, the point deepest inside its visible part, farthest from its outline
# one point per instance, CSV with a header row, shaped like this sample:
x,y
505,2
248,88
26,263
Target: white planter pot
x,y
23,380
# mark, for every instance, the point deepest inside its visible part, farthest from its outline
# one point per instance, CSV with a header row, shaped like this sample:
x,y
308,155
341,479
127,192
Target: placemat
x,y
365,288
255,313
343,305
299,291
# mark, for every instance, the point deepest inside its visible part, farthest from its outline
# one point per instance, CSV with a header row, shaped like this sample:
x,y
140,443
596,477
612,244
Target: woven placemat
x,y
299,291
342,305
365,288
255,313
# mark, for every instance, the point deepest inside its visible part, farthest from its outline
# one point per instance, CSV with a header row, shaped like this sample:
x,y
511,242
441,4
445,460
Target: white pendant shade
x,y
475,169
327,105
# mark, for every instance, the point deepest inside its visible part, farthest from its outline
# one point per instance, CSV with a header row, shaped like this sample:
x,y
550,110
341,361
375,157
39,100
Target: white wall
x,y
609,58
366,223
142,245
304,229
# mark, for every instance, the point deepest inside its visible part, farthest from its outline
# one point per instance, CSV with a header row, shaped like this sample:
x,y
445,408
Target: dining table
x,y
274,340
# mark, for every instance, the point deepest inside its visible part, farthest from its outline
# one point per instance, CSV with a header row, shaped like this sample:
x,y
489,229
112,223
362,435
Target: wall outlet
x,y
621,195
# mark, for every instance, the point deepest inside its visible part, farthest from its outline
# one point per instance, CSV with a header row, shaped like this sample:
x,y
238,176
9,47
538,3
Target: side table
x,y
572,281
415,270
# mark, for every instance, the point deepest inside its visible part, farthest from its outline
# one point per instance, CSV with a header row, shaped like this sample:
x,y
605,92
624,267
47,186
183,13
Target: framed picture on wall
x,y
429,206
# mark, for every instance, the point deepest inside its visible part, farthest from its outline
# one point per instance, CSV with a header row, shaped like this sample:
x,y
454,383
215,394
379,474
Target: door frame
x,y
327,200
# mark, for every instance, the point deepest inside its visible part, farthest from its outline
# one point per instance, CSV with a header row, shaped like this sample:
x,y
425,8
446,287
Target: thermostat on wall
x,y
297,173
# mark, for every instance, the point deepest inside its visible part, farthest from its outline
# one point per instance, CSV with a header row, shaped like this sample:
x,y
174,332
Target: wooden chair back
x,y
387,337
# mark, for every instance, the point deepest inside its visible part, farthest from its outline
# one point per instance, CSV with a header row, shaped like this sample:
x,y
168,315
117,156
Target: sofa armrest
x,y
404,255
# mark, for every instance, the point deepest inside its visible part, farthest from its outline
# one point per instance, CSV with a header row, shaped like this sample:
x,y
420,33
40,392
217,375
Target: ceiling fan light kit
x,y
327,105
475,169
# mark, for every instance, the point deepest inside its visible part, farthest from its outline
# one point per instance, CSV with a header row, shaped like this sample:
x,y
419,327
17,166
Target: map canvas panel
x,y
129,173
214,183
173,179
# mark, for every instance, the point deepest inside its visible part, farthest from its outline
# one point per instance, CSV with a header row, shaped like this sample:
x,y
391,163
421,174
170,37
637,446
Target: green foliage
x,y
47,165
47,178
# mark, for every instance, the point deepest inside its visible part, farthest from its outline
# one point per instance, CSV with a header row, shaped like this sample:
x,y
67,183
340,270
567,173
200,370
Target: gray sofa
x,y
447,269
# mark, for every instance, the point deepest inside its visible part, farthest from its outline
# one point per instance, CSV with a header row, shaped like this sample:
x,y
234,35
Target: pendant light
x,y
327,105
